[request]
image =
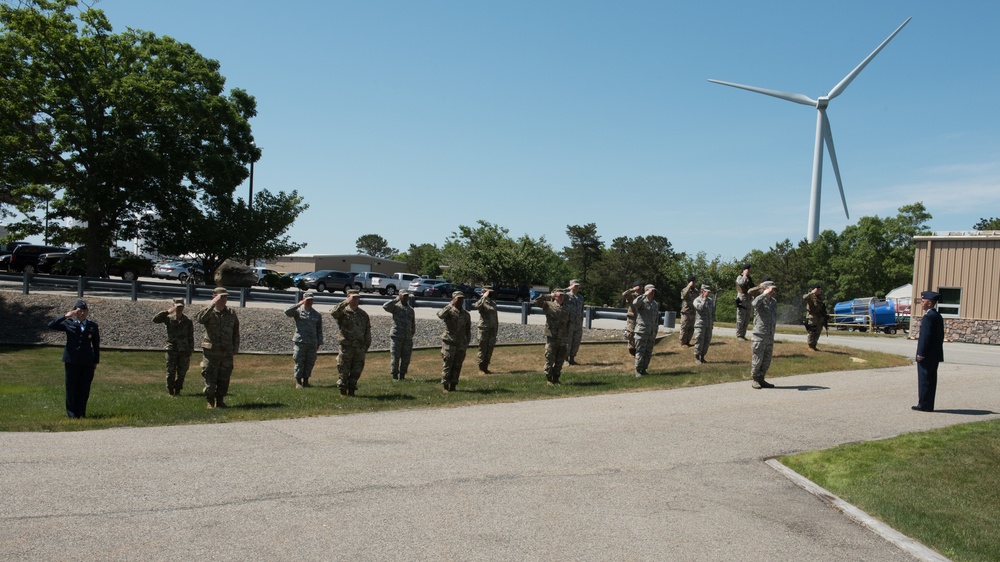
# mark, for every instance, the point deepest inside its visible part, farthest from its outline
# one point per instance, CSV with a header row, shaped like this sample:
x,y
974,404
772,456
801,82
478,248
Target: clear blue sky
x,y
408,119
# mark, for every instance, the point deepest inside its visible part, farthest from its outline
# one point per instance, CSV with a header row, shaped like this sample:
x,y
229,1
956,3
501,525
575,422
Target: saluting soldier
x,y
765,307
355,339
454,339
220,344
179,346
557,320
816,314
80,356
743,300
647,315
704,307
307,339
488,327
628,297
688,294
404,325
575,304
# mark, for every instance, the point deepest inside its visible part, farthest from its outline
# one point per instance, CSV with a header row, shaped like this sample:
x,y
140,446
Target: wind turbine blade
x,y
839,88
828,138
797,98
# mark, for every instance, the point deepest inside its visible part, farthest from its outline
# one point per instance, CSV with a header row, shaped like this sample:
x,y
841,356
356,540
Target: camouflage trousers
x,y
178,363
453,357
350,363
643,351
687,327
814,331
487,341
216,369
304,355
743,315
761,362
400,350
555,355
574,339
702,339
630,334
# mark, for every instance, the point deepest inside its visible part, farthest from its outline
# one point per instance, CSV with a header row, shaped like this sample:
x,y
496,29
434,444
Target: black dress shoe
x,y
919,409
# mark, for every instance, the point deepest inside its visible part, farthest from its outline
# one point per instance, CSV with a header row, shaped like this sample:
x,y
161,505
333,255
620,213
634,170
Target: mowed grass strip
x,y
129,387
941,487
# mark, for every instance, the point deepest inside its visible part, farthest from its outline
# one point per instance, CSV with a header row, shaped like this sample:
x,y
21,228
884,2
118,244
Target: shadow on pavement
x,y
966,412
802,387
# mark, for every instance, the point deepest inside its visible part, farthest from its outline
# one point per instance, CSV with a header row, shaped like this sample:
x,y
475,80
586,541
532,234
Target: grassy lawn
x,y
940,487
129,388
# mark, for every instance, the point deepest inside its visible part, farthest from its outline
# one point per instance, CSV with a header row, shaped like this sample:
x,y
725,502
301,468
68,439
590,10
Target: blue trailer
x,y
869,313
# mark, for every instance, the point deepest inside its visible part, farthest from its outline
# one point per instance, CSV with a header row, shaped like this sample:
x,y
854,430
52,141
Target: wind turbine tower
x,y
823,133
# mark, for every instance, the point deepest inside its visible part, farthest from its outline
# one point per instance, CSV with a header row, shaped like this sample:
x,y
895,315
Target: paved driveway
x,y
666,475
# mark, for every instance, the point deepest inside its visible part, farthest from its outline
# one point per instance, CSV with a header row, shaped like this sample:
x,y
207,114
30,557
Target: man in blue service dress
x,y
80,357
930,351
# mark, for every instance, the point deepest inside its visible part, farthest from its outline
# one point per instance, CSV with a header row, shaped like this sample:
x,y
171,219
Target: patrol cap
x,y
573,282
558,292
179,301
220,291
768,283
353,293
81,304
309,295
458,295
706,288
405,293
648,287
928,295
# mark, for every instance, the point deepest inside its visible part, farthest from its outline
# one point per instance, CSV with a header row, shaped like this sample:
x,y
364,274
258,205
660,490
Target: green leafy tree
x,y
220,229
119,125
375,246
422,259
648,259
487,253
585,248
992,223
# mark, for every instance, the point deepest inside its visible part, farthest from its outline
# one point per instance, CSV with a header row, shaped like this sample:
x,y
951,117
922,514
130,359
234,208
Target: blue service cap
x,y
930,295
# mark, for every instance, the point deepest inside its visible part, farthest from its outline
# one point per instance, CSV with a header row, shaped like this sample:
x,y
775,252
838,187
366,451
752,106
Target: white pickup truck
x,y
363,280
392,284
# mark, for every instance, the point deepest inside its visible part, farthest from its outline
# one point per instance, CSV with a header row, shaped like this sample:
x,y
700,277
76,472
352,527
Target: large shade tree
x,y
487,253
118,125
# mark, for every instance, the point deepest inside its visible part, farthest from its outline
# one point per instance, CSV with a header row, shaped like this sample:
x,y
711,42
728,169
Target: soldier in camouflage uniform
x,y
221,343
743,299
454,340
355,339
307,339
766,308
180,344
704,322
816,311
404,325
628,297
688,294
557,328
647,316
574,301
488,326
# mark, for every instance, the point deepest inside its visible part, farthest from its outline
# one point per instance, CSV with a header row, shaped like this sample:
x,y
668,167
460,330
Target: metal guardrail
x,y
83,285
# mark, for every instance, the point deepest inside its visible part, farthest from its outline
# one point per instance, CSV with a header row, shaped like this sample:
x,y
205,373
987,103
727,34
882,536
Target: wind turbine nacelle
x,y
822,102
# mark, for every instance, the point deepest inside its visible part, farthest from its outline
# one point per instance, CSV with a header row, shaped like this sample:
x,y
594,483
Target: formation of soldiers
x,y
563,309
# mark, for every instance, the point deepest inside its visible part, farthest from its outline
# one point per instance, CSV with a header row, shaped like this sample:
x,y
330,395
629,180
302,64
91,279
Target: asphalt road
x,y
665,475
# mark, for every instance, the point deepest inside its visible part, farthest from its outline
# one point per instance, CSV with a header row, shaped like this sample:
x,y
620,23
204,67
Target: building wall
x,y
971,262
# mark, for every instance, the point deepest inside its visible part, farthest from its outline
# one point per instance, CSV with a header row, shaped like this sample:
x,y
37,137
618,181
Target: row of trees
x,y
865,259
130,135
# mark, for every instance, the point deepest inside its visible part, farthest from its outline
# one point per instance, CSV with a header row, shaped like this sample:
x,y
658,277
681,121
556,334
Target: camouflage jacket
x,y
557,317
180,331
487,308
704,308
765,318
355,326
628,297
457,326
688,295
647,315
743,284
815,308
222,330
308,325
404,322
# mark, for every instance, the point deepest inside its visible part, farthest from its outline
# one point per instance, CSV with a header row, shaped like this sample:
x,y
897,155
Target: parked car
x,y
363,280
392,284
118,263
419,286
445,290
262,271
183,271
298,276
25,257
8,248
49,259
519,293
329,280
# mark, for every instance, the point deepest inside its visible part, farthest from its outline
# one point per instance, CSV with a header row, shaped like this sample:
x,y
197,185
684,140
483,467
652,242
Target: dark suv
x,y
329,280
519,293
25,258
119,263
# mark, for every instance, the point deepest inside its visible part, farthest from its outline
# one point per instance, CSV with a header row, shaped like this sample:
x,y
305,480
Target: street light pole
x,y
250,196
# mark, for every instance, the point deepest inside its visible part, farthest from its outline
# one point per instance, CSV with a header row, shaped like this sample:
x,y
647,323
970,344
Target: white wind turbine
x,y
823,133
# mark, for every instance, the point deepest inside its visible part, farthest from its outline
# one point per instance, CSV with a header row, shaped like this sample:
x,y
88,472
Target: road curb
x,y
908,544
